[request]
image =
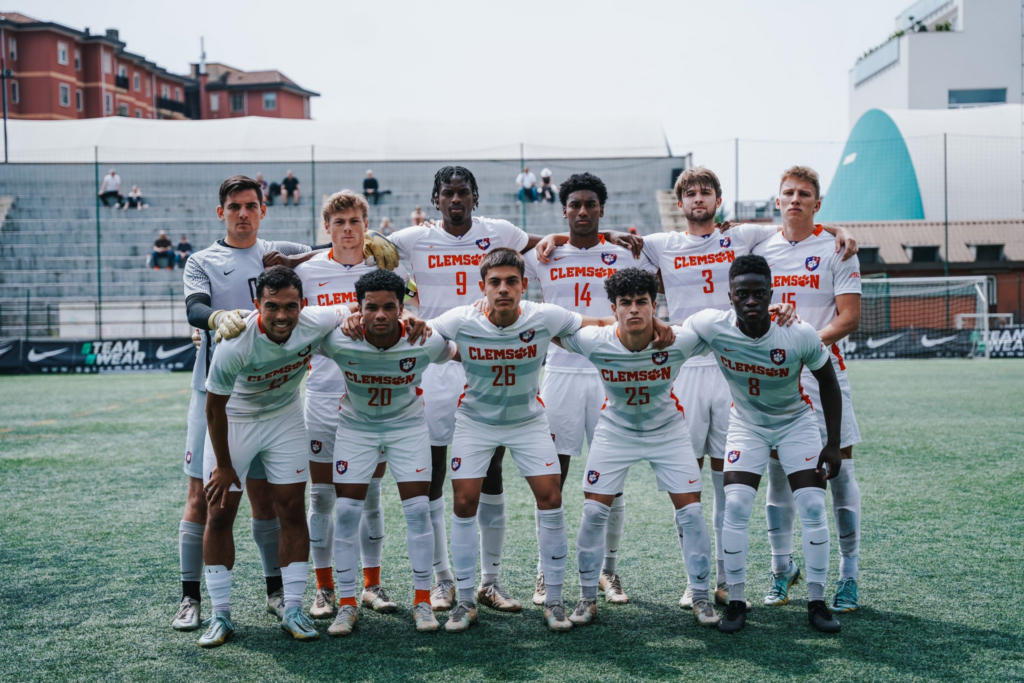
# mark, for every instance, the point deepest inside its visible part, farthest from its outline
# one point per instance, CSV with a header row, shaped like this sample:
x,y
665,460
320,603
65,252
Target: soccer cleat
x,y
344,622
821,618
845,599
555,617
219,629
187,618
686,602
461,618
541,591
611,584
778,594
442,595
735,617
376,599
323,604
275,603
497,598
424,617
722,596
705,613
298,625
584,613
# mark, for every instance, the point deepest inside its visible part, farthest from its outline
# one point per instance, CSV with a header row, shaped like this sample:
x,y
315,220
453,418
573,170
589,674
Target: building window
x,y
136,82
15,95
138,113
122,109
65,95
108,104
868,256
923,254
165,91
214,102
177,94
988,252
106,62
78,59
78,100
122,71
237,101
976,98
149,92
62,52
269,101
13,52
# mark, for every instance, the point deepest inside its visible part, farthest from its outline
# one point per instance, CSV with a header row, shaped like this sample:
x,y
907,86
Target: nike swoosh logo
x,y
548,464
351,363
342,571
692,480
736,552
558,258
558,558
375,538
729,350
810,458
875,343
928,343
421,469
463,578
325,283
822,543
852,533
497,564
614,551
300,471
775,529
228,272
5,350
701,578
161,354
34,357
258,369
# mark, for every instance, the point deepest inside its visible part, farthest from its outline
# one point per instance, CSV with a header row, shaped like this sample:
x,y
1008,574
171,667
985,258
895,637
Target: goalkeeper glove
x,y
381,249
228,324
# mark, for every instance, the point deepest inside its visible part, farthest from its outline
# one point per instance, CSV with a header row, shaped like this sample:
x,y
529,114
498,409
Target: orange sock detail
x,y
346,601
371,576
421,596
324,578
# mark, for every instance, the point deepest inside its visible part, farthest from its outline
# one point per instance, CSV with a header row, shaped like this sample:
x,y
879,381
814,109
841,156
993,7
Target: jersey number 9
x,y
460,282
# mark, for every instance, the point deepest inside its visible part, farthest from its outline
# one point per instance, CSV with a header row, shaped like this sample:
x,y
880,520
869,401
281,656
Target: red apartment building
x,y
63,73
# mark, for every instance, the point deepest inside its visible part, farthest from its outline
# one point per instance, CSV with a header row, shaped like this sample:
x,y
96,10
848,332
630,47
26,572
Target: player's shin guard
x,y
420,540
294,577
810,504
590,546
371,527
465,551
491,518
321,523
347,514
554,546
696,547
190,552
717,519
739,503
267,533
442,568
780,511
846,508
613,533
218,585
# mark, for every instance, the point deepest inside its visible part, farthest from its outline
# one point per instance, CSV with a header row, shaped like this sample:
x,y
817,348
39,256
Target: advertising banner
x,y
67,356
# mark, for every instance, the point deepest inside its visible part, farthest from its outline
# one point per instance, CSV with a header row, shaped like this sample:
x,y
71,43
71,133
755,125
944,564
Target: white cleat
x,y
345,622
705,613
275,604
461,618
585,612
686,602
424,617
442,595
554,616
188,617
722,596
323,606
611,584
541,591
497,598
376,599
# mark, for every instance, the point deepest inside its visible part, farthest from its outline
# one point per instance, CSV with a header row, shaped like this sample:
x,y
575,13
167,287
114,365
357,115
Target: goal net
x,y
923,317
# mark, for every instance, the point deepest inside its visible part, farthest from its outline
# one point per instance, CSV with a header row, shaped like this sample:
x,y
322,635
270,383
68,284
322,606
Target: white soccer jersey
x,y
503,363
383,385
228,276
447,268
763,374
261,375
638,384
695,270
574,279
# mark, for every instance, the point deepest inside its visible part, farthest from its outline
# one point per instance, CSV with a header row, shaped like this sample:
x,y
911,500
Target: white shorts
x,y
615,450
442,386
195,440
277,440
749,446
473,444
321,414
573,402
405,449
851,432
707,402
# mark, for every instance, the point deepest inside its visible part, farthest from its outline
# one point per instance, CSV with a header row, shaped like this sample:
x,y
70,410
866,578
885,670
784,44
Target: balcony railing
x,y
171,105
883,57
121,82
920,11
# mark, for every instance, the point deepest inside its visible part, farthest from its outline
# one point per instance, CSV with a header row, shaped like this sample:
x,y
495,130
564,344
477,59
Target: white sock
x,y
190,550
613,534
218,585
696,546
321,524
294,577
810,504
780,511
442,569
846,508
554,546
590,545
267,533
465,551
371,527
739,503
419,537
347,514
717,519
490,516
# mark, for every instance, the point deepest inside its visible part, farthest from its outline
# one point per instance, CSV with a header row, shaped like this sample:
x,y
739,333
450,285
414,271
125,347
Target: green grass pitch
x,y
93,491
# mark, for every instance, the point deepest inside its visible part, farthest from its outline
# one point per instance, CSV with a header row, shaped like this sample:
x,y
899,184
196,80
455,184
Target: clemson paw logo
x,y
733,456
609,259
593,476
527,336
778,356
407,364
341,466
456,464
812,263
483,243
316,446
660,357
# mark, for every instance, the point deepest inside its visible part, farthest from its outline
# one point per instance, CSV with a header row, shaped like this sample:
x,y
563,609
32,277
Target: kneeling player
x,y
382,411
642,420
762,364
254,413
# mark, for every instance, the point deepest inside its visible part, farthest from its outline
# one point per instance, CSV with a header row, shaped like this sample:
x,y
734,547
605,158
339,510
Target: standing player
x,y
381,411
254,413
641,421
219,287
826,293
762,364
573,396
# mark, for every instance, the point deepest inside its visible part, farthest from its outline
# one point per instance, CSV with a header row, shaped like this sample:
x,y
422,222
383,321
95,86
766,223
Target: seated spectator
x,y
184,250
385,226
371,189
162,250
548,189
527,184
263,183
273,190
135,199
290,188
111,187
418,217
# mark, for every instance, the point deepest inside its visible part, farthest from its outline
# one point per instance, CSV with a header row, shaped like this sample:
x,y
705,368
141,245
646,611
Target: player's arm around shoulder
x,y
688,342
448,324
582,341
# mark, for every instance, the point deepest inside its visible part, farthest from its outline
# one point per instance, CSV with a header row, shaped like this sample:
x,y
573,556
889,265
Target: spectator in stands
x,y
418,217
385,226
370,188
135,199
184,250
263,184
527,184
273,190
111,187
290,188
162,250
548,189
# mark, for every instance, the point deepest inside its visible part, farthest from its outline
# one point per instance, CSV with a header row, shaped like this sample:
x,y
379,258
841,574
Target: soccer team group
x,y
425,341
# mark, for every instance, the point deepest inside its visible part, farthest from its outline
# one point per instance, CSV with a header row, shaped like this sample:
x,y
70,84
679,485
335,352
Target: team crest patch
x,y
484,243
527,336
315,446
188,457
407,364
725,242
812,262
456,464
660,357
305,352
778,356
593,476
341,467
609,259
733,456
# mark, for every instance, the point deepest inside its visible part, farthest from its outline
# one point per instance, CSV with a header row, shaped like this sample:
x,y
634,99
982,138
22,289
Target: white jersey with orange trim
x,y
764,373
503,364
695,270
574,279
638,384
447,268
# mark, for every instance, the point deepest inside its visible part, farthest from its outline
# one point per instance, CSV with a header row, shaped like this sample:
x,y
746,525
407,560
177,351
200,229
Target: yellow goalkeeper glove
x,y
228,324
381,249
